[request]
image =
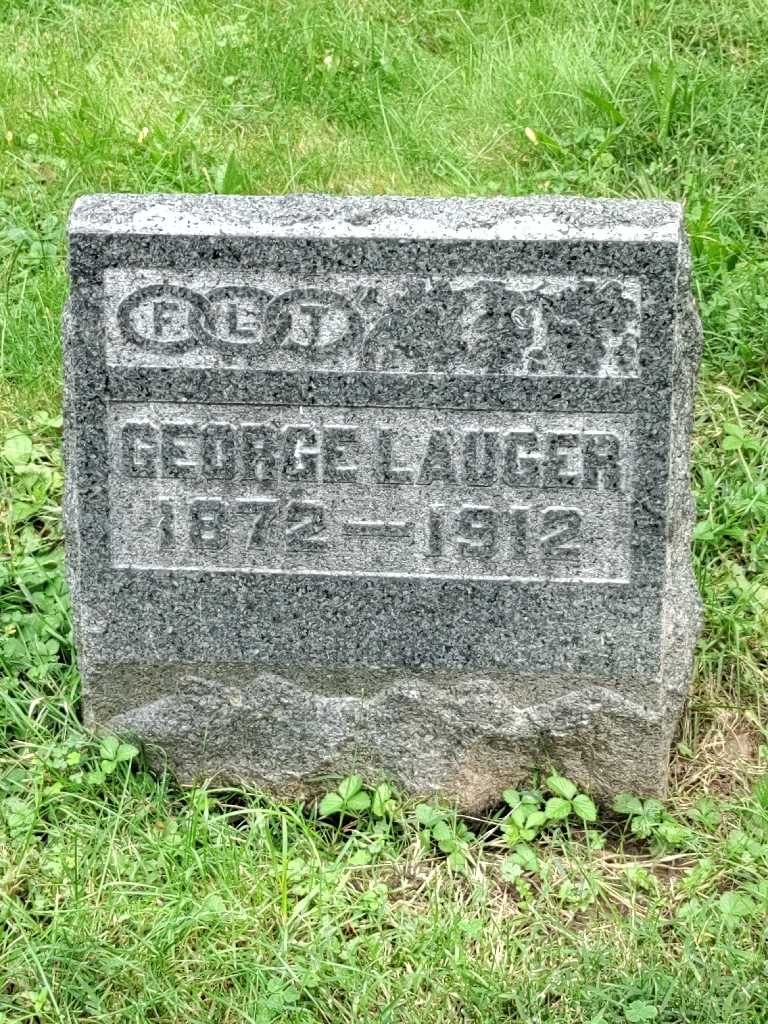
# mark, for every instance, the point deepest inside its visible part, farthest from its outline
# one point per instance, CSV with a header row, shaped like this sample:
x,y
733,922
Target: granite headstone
x,y
390,485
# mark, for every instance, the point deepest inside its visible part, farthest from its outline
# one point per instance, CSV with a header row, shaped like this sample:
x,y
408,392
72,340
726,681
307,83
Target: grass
x,y
125,899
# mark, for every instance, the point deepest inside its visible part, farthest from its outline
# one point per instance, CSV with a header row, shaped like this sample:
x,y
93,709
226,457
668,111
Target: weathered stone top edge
x,y
534,218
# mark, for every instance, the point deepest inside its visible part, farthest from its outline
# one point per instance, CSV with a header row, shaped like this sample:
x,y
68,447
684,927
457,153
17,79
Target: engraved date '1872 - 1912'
x,y
468,531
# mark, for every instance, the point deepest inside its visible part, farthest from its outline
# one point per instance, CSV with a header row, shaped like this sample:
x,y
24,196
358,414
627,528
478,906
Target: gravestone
x,y
390,485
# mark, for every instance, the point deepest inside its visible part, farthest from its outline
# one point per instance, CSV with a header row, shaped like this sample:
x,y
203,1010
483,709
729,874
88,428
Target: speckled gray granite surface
x,y
390,485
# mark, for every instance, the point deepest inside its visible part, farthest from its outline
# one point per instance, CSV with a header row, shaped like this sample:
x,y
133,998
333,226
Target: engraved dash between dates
x,y
379,529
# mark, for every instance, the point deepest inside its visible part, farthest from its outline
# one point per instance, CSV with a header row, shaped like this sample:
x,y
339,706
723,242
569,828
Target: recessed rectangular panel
x,y
561,325
495,495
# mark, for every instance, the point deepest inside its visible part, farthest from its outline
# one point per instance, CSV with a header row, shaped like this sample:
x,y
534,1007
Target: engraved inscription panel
x,y
368,491
523,325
